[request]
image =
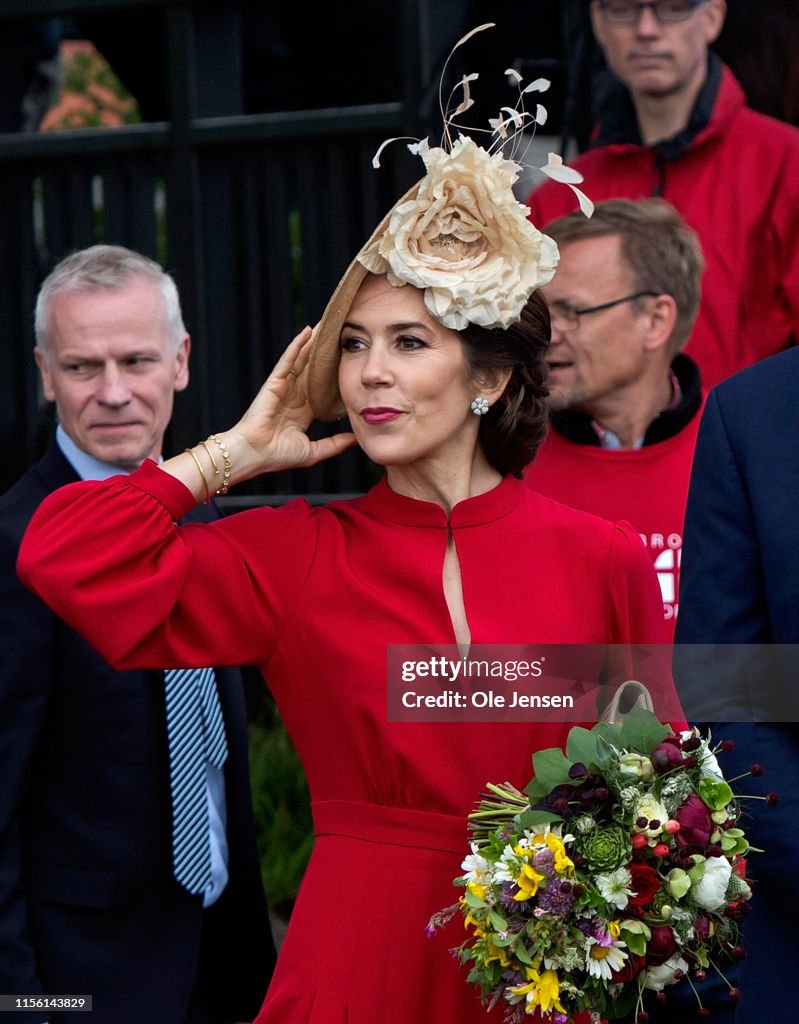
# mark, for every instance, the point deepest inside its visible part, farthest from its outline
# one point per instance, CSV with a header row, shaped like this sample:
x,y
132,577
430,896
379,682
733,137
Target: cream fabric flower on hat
x,y
459,235
465,239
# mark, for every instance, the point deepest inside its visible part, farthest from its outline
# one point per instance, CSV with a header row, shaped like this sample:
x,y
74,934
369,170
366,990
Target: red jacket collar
x,y
719,101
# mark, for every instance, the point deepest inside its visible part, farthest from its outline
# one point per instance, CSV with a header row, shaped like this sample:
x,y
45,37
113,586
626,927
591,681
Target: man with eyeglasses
x,y
625,400
674,123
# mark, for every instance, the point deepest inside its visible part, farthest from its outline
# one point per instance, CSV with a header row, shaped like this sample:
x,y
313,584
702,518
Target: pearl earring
x,y
480,406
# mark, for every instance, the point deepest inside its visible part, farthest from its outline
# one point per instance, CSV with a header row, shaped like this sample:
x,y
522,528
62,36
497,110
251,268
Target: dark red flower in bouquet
x,y
696,824
634,964
702,927
661,946
667,755
560,800
645,882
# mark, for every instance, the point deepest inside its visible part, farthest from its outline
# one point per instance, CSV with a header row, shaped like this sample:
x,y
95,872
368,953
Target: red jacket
x,y
646,486
734,176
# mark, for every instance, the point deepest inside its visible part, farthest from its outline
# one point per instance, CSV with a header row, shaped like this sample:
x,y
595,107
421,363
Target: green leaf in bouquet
x,y
642,731
701,956
581,746
636,934
498,922
715,792
492,975
635,943
473,900
678,882
535,790
623,1005
529,819
607,744
698,870
480,975
551,768
521,954
607,740
733,842
609,731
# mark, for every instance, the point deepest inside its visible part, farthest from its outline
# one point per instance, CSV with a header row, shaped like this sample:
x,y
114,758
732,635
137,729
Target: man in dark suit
x,y
89,901
740,604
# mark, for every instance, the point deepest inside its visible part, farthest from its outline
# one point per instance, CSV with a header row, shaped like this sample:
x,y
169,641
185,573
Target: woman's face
x,y
404,380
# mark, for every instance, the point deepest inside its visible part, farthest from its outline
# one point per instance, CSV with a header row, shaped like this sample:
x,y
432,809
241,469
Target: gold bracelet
x,y
226,466
202,475
211,457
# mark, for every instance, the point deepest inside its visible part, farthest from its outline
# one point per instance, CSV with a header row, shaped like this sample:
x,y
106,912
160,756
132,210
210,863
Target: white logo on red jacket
x,y
666,552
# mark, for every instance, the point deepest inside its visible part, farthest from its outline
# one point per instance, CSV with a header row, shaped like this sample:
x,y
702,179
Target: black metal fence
x,y
255,214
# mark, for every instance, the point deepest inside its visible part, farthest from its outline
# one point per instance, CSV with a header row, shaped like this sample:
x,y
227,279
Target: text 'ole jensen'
x,y
489,699
485,699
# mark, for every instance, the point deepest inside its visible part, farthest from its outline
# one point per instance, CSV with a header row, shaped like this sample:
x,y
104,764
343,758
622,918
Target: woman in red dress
x,y
433,347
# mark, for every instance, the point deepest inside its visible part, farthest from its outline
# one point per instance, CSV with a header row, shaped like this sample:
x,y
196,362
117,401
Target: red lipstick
x,y
379,414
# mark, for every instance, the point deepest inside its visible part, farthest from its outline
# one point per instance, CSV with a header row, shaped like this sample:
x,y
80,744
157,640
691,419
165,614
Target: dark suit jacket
x,y
739,585
88,903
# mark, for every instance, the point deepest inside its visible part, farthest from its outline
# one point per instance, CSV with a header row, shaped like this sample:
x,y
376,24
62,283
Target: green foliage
x,y
282,809
530,819
605,848
596,748
716,793
641,731
550,769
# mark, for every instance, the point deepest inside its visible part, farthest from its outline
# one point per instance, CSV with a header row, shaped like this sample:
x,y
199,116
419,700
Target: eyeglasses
x,y
567,318
627,12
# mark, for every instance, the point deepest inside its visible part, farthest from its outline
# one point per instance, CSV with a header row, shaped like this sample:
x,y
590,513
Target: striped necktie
x,y
196,736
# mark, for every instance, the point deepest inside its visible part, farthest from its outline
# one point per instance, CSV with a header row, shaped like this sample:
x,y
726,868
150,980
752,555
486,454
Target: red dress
x,y
313,596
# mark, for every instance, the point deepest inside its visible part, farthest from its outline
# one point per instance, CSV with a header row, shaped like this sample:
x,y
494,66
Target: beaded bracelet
x,y
226,463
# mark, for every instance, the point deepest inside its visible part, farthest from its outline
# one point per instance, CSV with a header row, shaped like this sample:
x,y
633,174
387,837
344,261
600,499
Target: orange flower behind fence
x,y
91,95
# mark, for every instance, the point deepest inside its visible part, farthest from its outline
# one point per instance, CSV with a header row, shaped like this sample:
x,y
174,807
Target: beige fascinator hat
x,y
459,235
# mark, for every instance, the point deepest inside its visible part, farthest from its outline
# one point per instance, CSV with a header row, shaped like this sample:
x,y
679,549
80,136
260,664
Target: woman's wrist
x,y
218,452
211,467
236,459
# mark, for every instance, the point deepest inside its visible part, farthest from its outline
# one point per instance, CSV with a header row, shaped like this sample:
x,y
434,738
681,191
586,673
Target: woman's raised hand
x,y
276,423
272,433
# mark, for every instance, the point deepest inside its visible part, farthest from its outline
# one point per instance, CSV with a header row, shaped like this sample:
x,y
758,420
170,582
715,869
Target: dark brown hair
x,y
516,424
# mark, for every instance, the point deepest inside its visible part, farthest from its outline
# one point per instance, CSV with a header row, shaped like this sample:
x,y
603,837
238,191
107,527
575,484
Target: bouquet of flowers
x,y
620,870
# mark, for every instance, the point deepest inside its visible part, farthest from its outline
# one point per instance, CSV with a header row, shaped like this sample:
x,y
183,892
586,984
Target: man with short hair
x,y
625,400
674,123
111,886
